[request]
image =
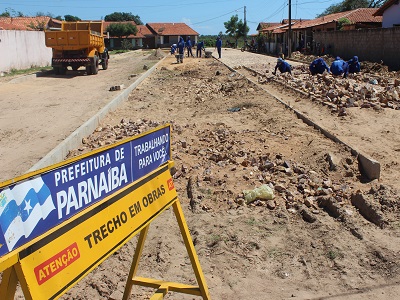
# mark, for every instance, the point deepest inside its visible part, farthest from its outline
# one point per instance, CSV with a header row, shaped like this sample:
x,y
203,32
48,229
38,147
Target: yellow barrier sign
x,y
57,262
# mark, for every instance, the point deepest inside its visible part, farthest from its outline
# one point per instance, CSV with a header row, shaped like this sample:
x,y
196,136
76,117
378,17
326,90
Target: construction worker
x,y
189,47
283,66
339,67
181,49
354,65
318,66
218,45
200,47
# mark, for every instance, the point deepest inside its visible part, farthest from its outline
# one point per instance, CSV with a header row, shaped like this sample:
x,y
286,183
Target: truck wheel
x,y
104,63
89,70
63,70
95,66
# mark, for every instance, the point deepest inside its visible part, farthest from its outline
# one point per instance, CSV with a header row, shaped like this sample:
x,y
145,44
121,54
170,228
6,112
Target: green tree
x,y
9,12
122,16
70,18
121,29
59,18
347,5
231,26
5,14
342,22
39,26
235,28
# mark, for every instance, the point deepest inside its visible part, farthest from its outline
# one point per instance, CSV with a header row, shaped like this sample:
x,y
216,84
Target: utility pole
x,y
290,29
245,25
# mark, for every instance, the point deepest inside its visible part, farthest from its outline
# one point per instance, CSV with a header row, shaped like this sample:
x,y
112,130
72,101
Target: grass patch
x,y
333,254
252,221
14,72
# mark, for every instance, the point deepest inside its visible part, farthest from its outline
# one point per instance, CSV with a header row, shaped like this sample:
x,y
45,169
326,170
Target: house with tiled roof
x,y
166,34
274,35
390,12
303,31
153,35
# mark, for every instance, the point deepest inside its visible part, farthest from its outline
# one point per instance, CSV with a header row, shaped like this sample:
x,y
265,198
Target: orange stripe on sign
x,y
57,263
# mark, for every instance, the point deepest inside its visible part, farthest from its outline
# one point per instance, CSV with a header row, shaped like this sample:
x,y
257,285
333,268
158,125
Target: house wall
x,y
368,44
23,49
391,16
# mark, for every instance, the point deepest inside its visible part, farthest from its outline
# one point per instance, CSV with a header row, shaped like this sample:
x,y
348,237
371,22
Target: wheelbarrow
x,y
179,58
208,54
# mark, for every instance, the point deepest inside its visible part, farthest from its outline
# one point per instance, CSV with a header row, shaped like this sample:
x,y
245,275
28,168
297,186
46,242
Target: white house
x,y
390,11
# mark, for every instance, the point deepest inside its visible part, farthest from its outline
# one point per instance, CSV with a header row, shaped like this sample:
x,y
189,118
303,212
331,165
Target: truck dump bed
x,y
76,35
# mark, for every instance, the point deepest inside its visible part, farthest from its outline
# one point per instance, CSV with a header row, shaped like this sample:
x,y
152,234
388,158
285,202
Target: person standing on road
x,y
318,66
339,67
218,45
354,65
181,49
283,66
189,47
200,47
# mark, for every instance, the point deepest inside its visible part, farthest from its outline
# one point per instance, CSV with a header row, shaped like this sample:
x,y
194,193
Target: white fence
x,y
23,50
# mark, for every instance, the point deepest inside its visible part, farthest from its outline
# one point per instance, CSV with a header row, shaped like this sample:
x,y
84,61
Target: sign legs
x,y
163,287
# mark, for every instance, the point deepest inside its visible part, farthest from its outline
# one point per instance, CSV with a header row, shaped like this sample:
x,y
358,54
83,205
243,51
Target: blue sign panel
x,y
32,207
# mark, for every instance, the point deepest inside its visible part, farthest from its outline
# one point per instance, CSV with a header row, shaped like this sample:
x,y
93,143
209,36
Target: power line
x,y
217,17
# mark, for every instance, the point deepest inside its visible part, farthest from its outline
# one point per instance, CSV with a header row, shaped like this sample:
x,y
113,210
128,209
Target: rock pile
x,y
364,90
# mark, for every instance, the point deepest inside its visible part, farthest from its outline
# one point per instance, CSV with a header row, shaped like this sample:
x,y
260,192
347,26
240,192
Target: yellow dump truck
x,y
78,44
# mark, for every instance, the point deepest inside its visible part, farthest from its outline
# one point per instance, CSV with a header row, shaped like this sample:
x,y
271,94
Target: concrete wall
x,y
368,44
23,49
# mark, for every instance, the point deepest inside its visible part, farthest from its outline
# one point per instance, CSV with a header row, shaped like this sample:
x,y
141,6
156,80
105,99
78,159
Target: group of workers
x,y
338,67
180,47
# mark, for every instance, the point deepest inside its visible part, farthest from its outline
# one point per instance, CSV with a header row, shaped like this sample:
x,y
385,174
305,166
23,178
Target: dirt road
x,y
310,242
326,234
40,112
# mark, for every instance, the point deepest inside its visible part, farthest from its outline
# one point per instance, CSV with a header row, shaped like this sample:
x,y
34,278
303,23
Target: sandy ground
x,y
315,240
40,112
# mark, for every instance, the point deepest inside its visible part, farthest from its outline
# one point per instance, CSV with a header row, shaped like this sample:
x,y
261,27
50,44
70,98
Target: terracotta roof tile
x,y
360,15
22,23
171,29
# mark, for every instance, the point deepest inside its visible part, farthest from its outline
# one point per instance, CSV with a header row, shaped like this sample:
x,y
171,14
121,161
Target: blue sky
x,y
204,16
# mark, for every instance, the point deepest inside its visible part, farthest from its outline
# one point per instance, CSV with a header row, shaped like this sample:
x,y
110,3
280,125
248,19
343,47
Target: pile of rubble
x,y
364,90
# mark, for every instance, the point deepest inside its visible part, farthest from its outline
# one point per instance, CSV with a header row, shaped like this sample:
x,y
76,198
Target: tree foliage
x,y
122,29
70,18
122,16
9,12
236,28
347,5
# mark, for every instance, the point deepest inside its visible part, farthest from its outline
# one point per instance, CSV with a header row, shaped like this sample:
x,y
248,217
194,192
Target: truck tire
x,y
63,70
104,62
95,66
89,70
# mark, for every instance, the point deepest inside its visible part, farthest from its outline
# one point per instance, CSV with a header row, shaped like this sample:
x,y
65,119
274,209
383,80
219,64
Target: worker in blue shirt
x,y
200,47
173,48
218,45
283,66
189,47
181,49
339,67
318,66
354,65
